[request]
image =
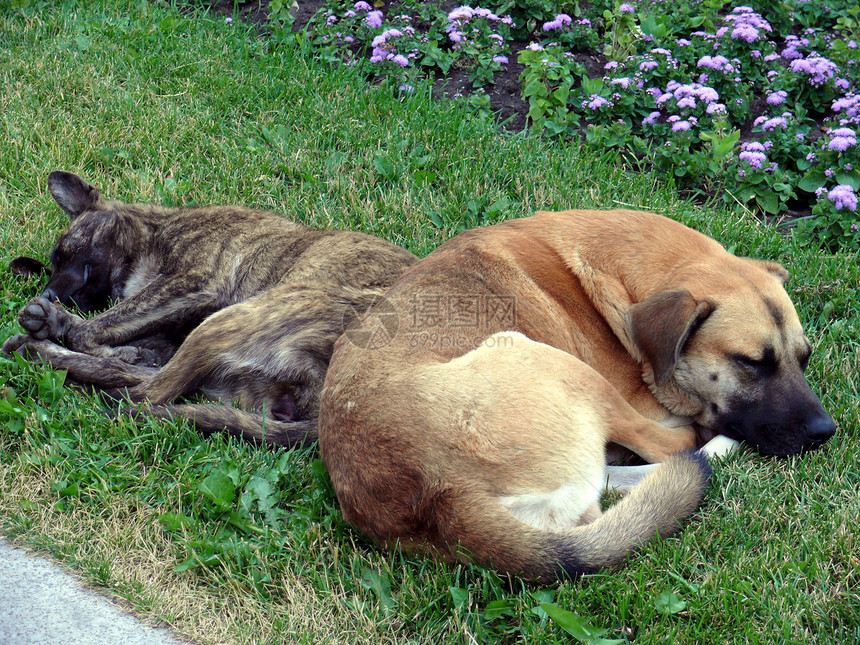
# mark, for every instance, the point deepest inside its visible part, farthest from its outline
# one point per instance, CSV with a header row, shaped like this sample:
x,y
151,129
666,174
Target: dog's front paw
x,y
17,343
720,446
42,319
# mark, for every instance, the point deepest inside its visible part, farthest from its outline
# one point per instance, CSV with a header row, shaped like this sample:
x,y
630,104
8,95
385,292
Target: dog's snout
x,y
820,429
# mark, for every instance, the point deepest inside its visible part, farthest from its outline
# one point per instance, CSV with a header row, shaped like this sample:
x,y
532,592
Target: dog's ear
x,y
72,193
662,324
772,268
30,267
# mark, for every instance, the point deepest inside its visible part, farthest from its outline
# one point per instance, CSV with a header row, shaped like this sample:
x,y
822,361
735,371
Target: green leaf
x,y
379,585
219,488
423,177
576,626
851,178
51,388
669,603
534,86
384,167
812,181
768,201
498,608
460,597
175,521
82,43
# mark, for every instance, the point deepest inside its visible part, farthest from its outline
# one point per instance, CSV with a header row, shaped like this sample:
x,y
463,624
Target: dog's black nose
x,y
820,429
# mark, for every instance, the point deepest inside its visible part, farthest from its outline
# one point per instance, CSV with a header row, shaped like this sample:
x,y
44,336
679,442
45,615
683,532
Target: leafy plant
x,y
549,74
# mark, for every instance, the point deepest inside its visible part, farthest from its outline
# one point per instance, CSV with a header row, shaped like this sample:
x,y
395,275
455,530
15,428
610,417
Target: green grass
x,y
230,543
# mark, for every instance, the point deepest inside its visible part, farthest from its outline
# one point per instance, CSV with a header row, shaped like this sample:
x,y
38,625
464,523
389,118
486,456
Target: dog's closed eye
x,y
764,365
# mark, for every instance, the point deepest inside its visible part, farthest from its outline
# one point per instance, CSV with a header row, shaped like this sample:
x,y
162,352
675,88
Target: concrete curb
x,y
42,604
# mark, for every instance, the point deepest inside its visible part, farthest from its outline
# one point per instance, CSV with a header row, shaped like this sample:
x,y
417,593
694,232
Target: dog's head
x,y
729,351
88,262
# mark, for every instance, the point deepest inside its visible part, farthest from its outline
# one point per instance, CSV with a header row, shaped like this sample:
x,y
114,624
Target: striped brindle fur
x,y
243,304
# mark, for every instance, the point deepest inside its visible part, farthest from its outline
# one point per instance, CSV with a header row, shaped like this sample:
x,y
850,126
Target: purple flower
x,y
776,98
462,14
596,102
384,36
362,6
818,69
842,139
774,123
623,81
374,19
626,8
535,47
229,20
680,126
754,159
651,118
400,59
747,33
501,59
559,22
714,62
843,196
844,132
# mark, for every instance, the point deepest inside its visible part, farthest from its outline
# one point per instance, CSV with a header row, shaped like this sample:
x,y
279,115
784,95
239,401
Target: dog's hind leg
x,y
268,355
211,419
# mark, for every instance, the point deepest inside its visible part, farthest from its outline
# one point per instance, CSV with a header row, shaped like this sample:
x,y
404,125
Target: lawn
x,y
230,543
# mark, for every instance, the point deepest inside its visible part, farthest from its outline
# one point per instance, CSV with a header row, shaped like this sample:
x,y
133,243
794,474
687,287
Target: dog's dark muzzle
x,y
783,426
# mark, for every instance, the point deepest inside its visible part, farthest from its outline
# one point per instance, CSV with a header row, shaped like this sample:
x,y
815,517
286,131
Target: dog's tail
x,y
666,497
210,419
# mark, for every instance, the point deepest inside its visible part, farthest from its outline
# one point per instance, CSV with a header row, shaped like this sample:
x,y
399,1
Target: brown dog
x,y
629,327
243,304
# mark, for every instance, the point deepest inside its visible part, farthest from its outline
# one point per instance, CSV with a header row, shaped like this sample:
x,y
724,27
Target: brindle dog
x,y
242,303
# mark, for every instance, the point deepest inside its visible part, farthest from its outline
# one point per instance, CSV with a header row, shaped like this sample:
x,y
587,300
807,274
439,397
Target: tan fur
x,y
479,435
